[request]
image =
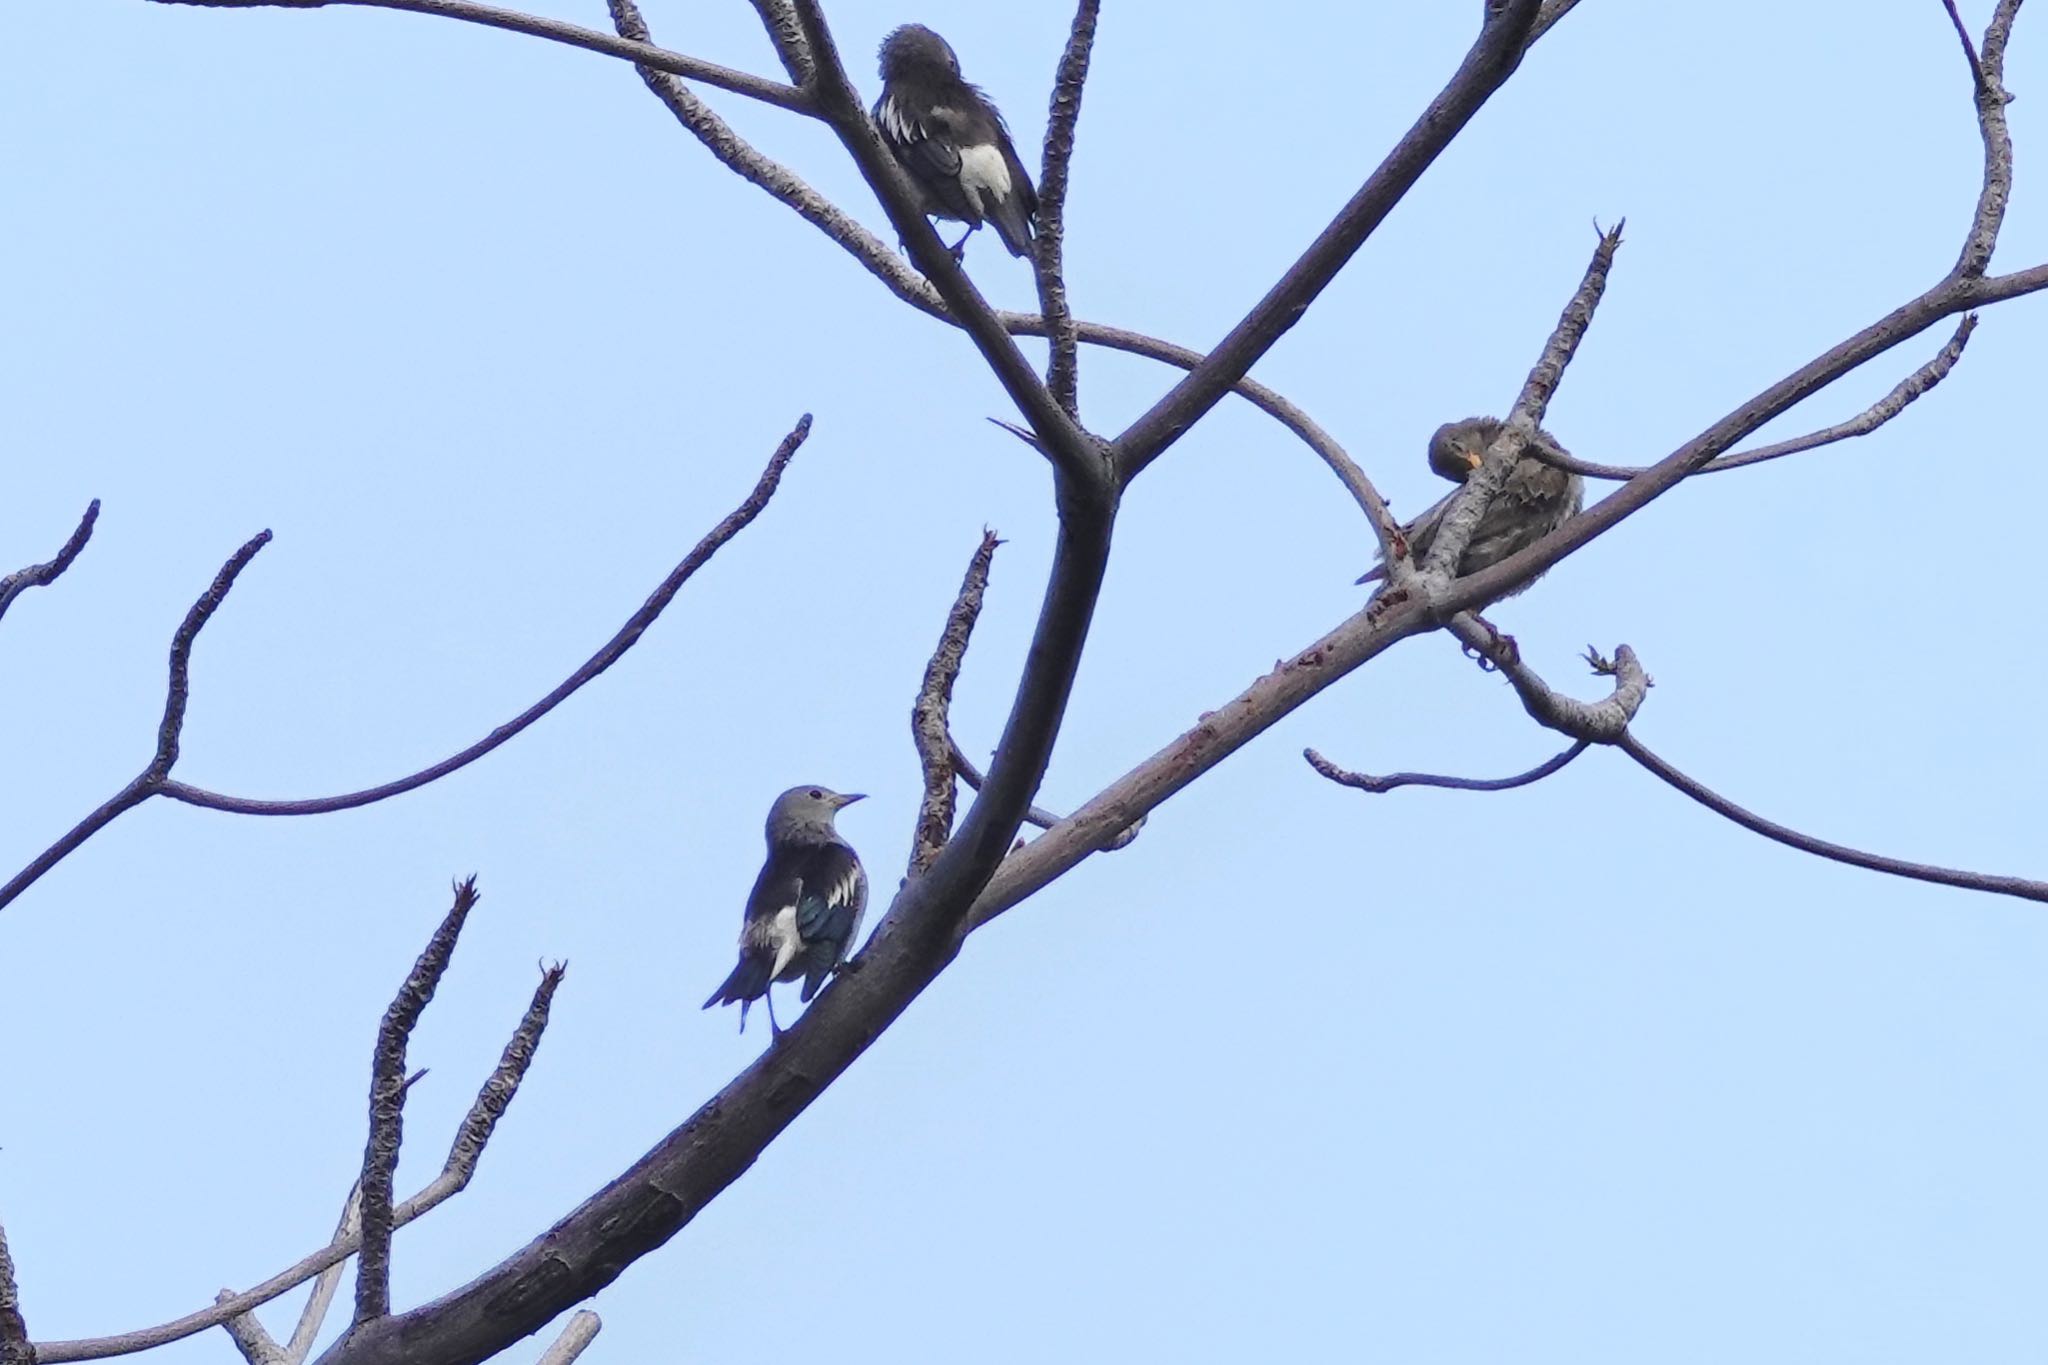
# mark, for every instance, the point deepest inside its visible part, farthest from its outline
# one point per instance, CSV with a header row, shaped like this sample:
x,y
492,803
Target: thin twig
x,y
583,1328
15,1347
387,1106
1062,371
1903,395
1602,722
43,575
1486,68
156,777
929,724
2021,887
1367,782
1969,48
614,649
965,768
554,30
1468,505
322,1298
503,1083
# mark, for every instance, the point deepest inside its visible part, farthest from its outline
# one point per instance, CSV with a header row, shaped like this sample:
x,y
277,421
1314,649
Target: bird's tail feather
x,y
1013,225
749,981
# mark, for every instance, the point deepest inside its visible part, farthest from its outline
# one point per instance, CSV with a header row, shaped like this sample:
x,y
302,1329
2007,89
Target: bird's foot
x,y
847,968
1385,601
1602,666
1500,650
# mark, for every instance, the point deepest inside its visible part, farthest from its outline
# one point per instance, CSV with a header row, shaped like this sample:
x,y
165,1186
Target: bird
x,y
1537,498
951,142
806,906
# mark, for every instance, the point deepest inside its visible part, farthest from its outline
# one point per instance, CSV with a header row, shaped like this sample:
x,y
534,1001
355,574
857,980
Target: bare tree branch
x,y
1602,722
1547,17
1996,190
929,725
256,1344
1969,49
322,1298
475,1130
1518,431
965,768
1903,395
15,1348
614,649
1078,455
152,778
1366,782
43,575
1487,66
1061,375
554,30
787,37
387,1106
2021,887
583,1328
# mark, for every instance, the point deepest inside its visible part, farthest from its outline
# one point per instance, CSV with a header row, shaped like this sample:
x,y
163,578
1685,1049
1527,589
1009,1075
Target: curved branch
x,y
155,777
1996,189
2021,887
554,30
1906,392
43,575
1366,782
1062,374
614,649
1601,722
1487,66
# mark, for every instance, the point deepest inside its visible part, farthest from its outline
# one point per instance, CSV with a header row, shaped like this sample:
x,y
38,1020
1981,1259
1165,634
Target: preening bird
x,y
1537,498
806,906
950,140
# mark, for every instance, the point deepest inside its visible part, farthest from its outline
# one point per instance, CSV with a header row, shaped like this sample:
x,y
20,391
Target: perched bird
x,y
951,141
806,906
1536,499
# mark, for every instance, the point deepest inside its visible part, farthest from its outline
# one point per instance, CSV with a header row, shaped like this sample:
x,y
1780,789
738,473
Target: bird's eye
x,y
817,795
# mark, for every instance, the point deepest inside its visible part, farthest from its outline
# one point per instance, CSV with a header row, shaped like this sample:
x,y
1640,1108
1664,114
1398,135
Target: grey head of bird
x,y
804,815
914,50
1458,448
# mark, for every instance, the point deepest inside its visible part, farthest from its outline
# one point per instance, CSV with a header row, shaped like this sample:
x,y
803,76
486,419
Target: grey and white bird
x,y
805,910
1537,498
951,141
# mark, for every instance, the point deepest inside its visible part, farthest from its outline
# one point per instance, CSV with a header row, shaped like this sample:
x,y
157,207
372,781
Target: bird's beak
x,y
1474,459
848,799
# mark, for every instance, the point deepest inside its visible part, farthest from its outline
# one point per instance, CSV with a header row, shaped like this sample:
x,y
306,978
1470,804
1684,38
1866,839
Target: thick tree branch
x,y
1547,17
15,1348
929,723
786,35
255,1343
387,1106
1487,66
614,649
1996,189
43,575
964,767
463,1154
1518,430
1075,453
156,775
1366,782
2021,887
1906,392
1062,371
640,53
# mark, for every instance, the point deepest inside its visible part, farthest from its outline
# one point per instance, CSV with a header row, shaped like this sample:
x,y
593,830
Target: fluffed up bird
x,y
806,906
1537,498
951,141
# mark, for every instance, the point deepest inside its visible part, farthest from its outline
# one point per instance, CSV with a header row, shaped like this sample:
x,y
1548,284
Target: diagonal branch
x,y
15,1348
965,768
1469,503
322,1298
614,649
387,1106
43,575
554,30
1969,48
1366,782
154,777
255,1343
1988,73
1487,66
1061,375
929,724
489,1106
2021,887
576,1337
1903,395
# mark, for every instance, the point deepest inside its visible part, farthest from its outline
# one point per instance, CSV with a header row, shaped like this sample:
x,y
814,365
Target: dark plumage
x,y
1536,499
806,906
950,140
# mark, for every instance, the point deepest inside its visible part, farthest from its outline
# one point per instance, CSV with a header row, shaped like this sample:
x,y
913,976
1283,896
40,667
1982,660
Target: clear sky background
x,y
1572,1074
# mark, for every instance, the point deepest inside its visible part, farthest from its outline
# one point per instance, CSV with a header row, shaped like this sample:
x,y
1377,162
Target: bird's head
x,y
914,50
1458,447
806,810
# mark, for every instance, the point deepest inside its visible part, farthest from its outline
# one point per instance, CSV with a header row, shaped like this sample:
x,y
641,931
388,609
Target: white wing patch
x,y
776,934
890,116
985,175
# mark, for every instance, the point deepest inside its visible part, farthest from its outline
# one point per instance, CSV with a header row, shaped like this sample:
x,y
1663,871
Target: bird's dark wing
x,y
917,132
1419,533
829,906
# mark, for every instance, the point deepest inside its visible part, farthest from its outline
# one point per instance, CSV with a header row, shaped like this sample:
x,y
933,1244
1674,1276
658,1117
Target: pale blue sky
x,y
1572,1074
